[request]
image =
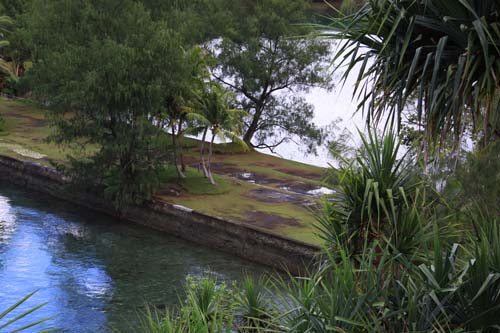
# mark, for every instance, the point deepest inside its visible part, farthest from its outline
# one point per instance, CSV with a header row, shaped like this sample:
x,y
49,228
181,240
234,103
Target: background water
x,y
94,271
335,106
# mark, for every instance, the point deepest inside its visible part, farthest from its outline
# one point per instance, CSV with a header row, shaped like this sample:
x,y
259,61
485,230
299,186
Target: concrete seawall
x,y
228,236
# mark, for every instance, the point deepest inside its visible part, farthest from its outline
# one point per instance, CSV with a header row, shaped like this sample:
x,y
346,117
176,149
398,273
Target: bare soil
x,y
269,221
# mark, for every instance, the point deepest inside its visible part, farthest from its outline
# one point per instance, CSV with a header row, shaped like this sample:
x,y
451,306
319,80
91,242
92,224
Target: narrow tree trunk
x,y
210,177
181,153
202,151
174,147
252,129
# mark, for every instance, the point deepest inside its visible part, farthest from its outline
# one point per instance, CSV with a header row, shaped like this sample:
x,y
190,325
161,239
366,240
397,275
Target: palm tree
x,y
443,54
176,114
193,71
213,104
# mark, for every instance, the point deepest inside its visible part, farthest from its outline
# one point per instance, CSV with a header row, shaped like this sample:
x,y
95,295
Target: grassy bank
x,y
254,188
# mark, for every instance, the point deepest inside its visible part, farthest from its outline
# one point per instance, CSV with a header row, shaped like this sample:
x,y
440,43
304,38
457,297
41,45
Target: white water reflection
x,y
321,191
95,272
7,221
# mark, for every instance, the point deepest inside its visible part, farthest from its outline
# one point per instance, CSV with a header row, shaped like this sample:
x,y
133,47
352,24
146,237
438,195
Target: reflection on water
x,y
94,272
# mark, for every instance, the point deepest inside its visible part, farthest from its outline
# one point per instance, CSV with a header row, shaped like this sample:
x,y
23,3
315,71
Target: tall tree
x,y
6,24
192,70
105,80
5,69
197,21
262,57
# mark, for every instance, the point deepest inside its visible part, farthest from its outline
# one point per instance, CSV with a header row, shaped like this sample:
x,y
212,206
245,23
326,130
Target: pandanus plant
x,y
19,322
441,56
380,197
215,114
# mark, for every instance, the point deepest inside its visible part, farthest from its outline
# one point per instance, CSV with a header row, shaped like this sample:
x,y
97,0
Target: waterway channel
x,y
95,272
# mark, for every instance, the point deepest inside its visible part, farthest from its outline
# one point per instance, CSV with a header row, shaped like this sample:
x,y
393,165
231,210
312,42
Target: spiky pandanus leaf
x,y
20,319
441,56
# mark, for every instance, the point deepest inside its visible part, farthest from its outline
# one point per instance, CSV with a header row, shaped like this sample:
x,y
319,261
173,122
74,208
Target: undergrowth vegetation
x,y
397,258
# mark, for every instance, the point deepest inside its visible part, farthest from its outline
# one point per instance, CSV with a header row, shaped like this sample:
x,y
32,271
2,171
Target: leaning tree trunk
x,y
202,151
174,147
209,169
252,129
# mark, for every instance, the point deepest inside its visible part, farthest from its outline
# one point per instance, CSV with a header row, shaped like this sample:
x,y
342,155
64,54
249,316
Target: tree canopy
x,y
265,57
108,87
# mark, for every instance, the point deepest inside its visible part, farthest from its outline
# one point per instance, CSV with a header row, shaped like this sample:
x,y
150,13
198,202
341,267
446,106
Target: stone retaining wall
x,y
232,237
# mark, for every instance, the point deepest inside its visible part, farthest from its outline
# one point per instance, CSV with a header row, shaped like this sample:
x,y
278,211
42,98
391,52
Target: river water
x,y
95,272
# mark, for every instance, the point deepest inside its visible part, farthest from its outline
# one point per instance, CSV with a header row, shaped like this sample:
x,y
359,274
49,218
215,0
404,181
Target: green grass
x,y
195,183
25,131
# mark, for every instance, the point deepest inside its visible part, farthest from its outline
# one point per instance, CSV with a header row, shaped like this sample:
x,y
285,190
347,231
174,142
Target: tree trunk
x,y
181,153
252,129
210,177
202,151
174,147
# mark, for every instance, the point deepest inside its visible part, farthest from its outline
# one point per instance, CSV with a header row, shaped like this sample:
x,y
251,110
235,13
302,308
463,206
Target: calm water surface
x,y
95,272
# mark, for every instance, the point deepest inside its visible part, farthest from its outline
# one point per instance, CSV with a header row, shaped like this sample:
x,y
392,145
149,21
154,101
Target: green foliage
x,y
6,24
476,179
5,70
442,54
19,319
207,297
189,72
13,8
196,183
252,302
197,21
405,275
2,124
207,309
350,6
19,50
381,197
259,56
376,292
213,112
107,84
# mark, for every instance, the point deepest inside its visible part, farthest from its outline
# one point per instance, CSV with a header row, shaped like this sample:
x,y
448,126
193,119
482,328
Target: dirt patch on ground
x,y
302,173
217,167
35,122
172,190
223,168
269,221
234,171
263,164
270,196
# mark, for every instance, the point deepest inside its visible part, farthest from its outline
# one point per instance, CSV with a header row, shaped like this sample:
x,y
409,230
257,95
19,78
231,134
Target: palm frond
x,y
441,55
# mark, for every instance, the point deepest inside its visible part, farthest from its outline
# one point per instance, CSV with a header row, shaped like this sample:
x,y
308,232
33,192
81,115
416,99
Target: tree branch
x,y
270,147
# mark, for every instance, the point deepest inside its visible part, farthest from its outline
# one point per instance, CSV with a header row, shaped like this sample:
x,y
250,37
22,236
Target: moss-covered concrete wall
x,y
229,236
